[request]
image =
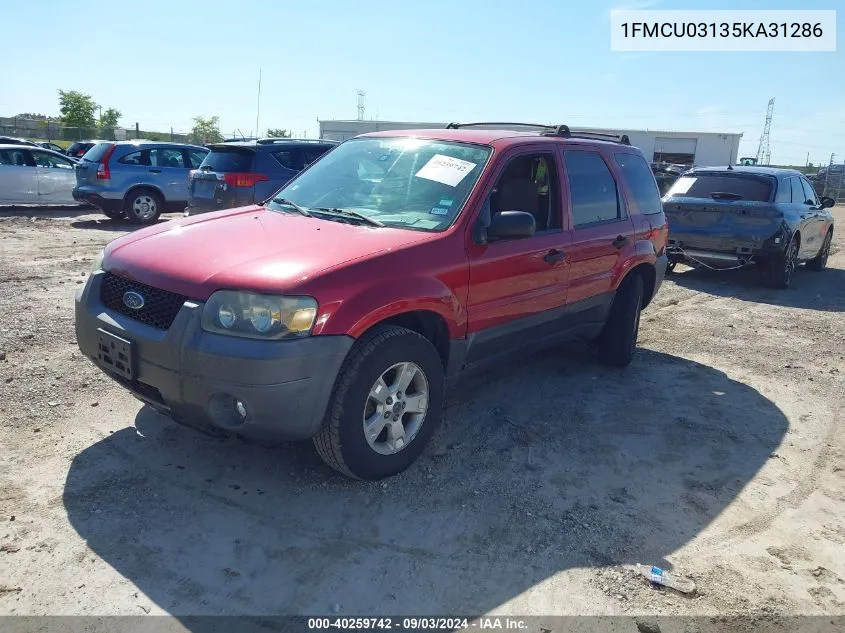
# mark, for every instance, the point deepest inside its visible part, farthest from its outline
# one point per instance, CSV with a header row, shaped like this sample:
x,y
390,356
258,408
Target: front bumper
x,y
195,376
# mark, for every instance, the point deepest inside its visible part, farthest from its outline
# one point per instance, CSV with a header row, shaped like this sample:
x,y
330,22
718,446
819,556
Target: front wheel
x,y
618,339
819,262
385,407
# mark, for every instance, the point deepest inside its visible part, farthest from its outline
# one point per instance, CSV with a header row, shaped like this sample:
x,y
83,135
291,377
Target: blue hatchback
x,y
240,173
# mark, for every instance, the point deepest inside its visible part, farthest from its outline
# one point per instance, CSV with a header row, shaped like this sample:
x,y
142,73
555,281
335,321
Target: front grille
x,y
160,306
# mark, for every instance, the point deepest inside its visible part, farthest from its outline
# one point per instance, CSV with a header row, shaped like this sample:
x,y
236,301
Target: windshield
x,y
401,182
729,186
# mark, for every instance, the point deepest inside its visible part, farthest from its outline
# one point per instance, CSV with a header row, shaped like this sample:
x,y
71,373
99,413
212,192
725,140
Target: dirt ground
x,y
718,453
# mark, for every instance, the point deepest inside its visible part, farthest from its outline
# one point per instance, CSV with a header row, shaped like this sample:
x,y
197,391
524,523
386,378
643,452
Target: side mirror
x,y
509,225
827,203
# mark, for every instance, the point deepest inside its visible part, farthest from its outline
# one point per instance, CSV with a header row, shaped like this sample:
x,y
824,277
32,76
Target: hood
x,y
247,249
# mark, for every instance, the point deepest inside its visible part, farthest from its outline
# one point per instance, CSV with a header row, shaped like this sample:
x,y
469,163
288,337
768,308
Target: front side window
x,y
407,183
43,159
530,184
640,179
592,189
809,194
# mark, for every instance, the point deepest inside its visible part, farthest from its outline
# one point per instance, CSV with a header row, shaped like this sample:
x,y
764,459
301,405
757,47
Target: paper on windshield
x,y
445,169
682,185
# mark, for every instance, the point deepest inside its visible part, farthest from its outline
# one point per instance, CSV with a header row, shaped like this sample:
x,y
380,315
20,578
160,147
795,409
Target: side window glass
x,y
797,191
196,157
167,157
641,180
13,157
135,158
43,159
290,159
529,183
809,194
592,189
784,194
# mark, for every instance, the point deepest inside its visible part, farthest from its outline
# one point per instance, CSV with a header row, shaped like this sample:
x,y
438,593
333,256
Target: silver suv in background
x,y
138,179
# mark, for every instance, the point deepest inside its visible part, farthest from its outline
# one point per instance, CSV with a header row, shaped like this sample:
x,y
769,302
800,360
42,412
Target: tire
x,y
341,441
143,206
618,340
113,215
819,262
780,269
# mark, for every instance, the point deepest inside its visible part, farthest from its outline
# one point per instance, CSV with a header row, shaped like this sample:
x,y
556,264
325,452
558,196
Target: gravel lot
x,y
717,453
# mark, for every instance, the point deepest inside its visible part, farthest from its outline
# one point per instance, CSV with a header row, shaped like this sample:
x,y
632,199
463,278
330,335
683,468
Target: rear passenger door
x,y
817,229
169,172
804,212
18,177
600,229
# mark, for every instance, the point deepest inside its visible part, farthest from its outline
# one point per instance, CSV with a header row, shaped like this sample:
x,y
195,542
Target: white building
x,y
690,148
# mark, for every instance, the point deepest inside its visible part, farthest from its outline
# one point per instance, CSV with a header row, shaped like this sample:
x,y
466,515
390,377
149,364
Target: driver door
x,y
56,178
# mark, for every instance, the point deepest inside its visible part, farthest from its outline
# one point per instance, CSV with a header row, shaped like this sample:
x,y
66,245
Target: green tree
x,y
277,132
108,119
206,130
77,108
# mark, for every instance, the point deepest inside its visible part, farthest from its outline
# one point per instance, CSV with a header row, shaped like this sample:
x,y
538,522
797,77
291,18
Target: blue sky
x,y
161,63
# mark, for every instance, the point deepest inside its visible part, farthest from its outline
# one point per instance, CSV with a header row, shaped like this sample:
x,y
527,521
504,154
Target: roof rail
x,y
617,138
455,126
552,130
286,139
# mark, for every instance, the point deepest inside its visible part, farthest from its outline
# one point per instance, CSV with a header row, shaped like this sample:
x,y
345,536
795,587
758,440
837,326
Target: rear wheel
x,y
385,407
618,339
819,262
781,268
143,206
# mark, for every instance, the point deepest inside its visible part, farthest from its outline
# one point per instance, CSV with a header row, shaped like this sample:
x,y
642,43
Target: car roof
x,y
140,141
28,147
276,142
750,169
498,139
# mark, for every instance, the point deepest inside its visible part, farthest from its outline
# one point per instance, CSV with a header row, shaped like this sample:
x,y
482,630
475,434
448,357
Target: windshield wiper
x,y
351,213
284,202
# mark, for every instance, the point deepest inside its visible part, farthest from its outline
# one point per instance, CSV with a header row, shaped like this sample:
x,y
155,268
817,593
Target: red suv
x,y
340,309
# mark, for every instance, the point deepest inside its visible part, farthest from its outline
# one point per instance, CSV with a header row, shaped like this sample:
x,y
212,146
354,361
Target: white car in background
x,y
32,175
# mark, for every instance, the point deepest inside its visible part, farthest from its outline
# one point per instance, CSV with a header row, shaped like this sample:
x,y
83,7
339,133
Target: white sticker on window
x,y
445,169
682,185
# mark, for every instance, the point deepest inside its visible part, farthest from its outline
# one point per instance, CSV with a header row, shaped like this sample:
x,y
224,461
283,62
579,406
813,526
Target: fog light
x,y
240,409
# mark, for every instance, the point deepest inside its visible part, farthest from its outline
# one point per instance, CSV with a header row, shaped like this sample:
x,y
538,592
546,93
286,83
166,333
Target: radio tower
x,y
763,151
361,95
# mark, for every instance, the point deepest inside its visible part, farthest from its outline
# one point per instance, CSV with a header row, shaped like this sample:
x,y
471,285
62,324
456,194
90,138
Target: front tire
x,y
618,340
387,403
143,206
819,262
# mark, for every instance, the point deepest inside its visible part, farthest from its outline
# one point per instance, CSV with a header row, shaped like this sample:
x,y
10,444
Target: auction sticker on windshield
x,y
445,169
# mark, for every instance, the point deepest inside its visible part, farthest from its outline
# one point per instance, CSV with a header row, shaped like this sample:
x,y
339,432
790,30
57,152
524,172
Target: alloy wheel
x,y
395,408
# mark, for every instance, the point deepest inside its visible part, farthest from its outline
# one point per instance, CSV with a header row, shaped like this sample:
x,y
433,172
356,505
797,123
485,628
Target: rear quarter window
x,y
746,187
96,153
640,179
228,160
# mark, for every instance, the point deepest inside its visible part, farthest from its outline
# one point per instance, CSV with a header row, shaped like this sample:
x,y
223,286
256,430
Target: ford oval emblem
x,y
133,300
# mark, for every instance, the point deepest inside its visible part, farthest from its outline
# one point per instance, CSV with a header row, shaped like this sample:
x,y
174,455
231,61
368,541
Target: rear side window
x,y
134,158
96,153
291,159
723,186
228,160
592,189
784,193
196,157
12,157
313,153
640,179
797,191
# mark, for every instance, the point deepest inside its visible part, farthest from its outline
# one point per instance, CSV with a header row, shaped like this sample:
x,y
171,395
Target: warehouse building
x,y
685,148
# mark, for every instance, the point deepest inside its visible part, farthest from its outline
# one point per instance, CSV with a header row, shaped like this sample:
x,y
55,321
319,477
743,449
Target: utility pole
x,y
258,106
361,94
827,174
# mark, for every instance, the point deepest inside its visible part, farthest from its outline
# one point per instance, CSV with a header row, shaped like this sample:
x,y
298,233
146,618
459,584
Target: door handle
x,y
155,171
619,242
554,256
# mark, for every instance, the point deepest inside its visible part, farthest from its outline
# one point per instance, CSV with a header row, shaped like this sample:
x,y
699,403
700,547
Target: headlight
x,y
98,261
258,316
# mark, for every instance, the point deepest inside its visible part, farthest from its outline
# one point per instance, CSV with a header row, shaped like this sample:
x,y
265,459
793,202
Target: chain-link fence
x,y
53,131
